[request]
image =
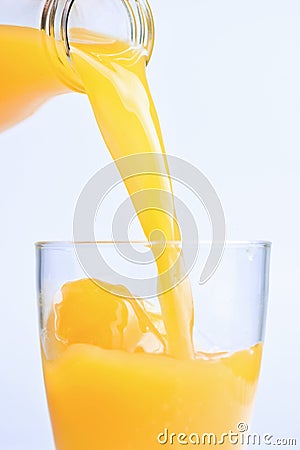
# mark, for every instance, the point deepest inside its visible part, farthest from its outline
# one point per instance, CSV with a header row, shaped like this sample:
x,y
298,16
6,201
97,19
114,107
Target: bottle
x,y
35,45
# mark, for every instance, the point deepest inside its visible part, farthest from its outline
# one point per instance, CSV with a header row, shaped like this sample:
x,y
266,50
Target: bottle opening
x,y
127,20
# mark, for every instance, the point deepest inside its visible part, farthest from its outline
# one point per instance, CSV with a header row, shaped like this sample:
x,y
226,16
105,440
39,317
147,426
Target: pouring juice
x,y
105,389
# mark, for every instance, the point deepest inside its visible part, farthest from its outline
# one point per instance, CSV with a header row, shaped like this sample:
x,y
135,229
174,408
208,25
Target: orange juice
x,y
113,400
113,76
27,78
111,382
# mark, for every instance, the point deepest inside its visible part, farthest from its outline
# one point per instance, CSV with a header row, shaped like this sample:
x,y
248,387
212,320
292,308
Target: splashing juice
x,y
105,389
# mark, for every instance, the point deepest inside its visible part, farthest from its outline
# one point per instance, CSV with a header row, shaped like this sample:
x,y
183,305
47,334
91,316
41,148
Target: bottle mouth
x,y
135,16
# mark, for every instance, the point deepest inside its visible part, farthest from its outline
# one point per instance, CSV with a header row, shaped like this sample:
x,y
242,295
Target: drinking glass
x,y
111,383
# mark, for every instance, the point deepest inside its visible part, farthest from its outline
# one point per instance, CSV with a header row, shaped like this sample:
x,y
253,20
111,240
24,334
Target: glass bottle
x,y
35,46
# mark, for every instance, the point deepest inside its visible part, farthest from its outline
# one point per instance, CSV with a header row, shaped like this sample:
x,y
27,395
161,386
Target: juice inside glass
x,y
111,382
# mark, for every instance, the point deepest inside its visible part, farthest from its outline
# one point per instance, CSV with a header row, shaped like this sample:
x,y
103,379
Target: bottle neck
x,y
128,20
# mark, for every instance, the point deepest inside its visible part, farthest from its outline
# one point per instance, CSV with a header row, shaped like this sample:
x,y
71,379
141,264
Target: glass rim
x,y
227,244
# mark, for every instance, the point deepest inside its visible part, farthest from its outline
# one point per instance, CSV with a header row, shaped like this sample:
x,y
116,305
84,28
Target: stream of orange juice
x,y
115,375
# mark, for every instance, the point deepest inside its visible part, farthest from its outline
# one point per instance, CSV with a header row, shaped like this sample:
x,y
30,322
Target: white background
x,y
226,79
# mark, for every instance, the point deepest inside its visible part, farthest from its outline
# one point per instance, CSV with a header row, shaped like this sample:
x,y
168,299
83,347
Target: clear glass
x,y
109,379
